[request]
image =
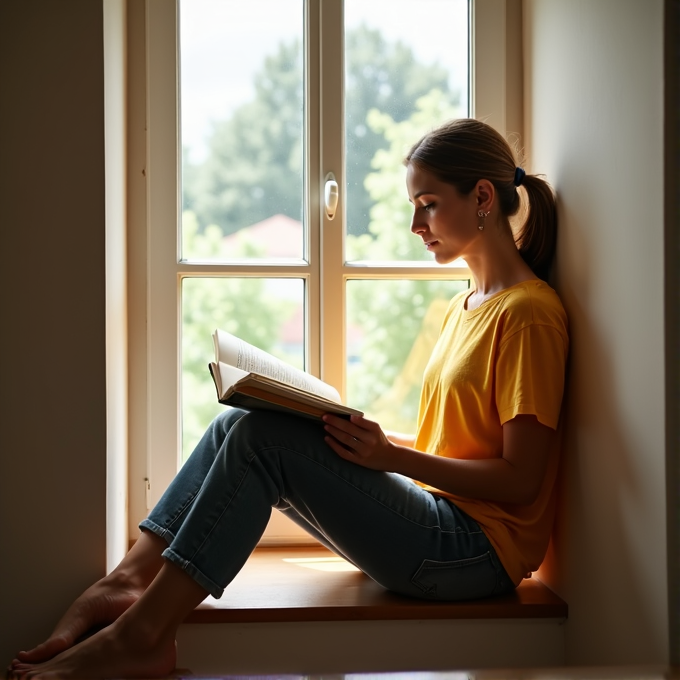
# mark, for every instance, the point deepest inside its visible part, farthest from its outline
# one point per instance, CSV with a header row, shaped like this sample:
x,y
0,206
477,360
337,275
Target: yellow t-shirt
x,y
506,357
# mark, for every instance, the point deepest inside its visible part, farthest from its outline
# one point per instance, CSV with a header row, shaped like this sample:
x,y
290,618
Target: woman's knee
x,y
244,429
247,426
280,426
227,419
262,431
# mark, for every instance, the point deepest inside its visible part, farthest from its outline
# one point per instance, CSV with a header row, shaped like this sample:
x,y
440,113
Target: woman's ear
x,y
485,193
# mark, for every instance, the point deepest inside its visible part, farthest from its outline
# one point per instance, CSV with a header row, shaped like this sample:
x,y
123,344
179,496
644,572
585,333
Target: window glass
x,y
266,312
406,71
391,330
242,121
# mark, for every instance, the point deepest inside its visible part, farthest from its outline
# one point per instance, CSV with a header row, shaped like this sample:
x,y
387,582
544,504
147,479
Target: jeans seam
x,y
224,509
368,495
185,508
459,563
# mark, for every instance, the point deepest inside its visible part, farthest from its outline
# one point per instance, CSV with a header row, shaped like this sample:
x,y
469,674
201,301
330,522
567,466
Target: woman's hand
x,y
360,440
515,477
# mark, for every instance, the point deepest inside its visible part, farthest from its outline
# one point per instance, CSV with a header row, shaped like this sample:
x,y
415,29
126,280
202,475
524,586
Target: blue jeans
x,y
407,539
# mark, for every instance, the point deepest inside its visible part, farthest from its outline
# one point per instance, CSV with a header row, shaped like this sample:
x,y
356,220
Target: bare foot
x,y
114,652
105,601
99,605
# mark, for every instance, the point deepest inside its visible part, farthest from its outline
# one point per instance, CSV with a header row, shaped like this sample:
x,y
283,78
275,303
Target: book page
x,y
232,350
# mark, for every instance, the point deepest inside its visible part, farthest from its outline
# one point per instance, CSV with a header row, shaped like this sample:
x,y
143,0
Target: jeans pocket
x,y
466,579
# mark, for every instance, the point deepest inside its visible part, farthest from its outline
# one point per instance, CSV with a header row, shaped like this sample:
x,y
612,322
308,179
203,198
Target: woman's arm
x,y
400,438
514,478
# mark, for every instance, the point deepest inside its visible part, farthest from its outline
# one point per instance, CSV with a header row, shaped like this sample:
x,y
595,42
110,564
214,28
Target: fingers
x,y
339,449
346,432
358,440
343,437
356,427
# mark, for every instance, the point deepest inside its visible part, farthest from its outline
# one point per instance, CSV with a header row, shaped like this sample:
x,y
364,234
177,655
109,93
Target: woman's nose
x,y
417,227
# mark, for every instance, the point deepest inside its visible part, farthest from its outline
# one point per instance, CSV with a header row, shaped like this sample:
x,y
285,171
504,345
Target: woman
x,y
478,516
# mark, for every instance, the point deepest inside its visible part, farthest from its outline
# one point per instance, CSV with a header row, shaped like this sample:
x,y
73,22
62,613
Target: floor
x,y
591,673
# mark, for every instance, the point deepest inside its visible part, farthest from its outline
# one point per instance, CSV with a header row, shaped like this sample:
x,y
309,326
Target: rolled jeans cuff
x,y
185,565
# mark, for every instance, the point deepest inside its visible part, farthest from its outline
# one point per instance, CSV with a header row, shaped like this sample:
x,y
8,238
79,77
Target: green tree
x,y
379,76
254,165
242,306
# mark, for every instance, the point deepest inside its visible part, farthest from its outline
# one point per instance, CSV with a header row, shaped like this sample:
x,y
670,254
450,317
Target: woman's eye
x,y
428,207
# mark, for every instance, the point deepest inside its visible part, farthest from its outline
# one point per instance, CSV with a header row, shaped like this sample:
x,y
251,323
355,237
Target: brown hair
x,y
463,151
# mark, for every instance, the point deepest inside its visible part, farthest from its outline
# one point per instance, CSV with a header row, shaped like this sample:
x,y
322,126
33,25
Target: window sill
x,y
311,584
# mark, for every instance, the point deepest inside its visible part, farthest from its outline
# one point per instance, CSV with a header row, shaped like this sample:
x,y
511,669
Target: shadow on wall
x,y
592,562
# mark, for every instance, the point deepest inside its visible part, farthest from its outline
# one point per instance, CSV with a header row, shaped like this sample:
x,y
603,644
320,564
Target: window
x,y
352,299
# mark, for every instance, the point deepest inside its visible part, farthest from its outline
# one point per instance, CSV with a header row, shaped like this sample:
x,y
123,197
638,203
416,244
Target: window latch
x,y
330,195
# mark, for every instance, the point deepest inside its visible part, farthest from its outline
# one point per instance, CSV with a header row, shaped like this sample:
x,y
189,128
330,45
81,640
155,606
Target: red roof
x,y
280,236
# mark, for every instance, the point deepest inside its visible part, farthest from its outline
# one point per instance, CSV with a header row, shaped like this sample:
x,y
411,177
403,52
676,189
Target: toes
x,y
33,655
15,672
44,651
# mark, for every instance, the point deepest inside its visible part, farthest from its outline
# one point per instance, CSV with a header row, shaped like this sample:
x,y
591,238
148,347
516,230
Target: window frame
x,y
155,272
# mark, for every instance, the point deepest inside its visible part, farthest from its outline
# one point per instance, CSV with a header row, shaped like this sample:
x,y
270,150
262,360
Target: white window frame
x,y
155,279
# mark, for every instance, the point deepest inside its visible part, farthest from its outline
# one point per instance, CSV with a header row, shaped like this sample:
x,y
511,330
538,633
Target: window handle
x,y
330,195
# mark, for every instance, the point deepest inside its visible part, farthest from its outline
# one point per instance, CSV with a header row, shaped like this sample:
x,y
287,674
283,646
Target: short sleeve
x,y
530,374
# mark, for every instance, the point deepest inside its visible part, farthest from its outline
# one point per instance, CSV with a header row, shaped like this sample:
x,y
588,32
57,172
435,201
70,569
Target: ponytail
x,y
537,236
463,151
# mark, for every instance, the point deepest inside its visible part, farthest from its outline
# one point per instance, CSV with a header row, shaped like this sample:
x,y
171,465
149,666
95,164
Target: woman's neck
x,y
496,267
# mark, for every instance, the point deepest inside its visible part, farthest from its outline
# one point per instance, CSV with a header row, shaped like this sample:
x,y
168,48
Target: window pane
x,y
242,115
392,328
268,313
402,78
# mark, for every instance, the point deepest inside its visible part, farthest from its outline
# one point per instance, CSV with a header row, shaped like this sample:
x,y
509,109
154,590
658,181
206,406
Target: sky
x,y
224,42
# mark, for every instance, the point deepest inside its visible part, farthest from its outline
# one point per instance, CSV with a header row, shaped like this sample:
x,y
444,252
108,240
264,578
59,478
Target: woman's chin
x,y
443,258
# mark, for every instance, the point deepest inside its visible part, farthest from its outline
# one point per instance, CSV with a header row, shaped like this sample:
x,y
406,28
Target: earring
x,y
482,219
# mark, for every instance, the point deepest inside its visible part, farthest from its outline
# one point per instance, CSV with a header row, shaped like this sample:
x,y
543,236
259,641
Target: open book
x,y
250,378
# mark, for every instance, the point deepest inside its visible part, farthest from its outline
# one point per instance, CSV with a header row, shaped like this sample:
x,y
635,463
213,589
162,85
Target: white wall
x,y
594,124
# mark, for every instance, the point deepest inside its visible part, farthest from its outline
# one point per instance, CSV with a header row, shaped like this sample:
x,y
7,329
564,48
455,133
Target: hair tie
x,y
519,176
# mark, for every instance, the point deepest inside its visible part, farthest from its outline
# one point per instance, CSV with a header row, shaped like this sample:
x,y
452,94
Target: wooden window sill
x,y
312,584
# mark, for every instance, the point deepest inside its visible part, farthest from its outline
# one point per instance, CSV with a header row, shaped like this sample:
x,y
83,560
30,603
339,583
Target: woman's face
x,y
444,218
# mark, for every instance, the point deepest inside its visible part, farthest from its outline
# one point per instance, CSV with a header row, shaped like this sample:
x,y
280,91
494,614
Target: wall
x,y
52,391
594,124
115,124
672,310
